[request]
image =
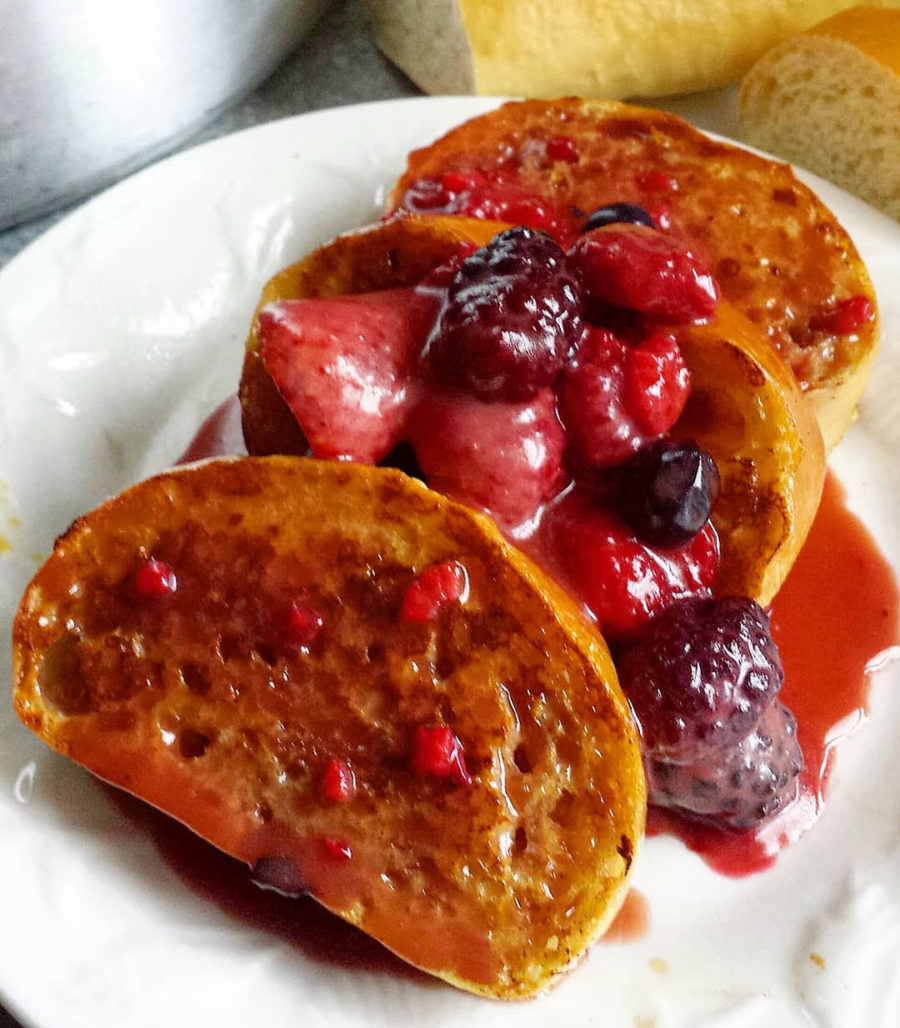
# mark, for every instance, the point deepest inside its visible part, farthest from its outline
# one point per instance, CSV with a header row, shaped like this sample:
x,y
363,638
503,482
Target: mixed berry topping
x,y
433,589
541,385
154,579
437,753
618,213
511,316
338,782
667,492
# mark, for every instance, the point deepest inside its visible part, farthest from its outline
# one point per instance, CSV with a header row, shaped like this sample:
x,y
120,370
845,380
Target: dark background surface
x,y
338,64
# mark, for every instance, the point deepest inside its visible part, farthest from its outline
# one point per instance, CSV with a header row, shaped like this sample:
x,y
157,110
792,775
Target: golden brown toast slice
x,y
205,701
779,254
746,408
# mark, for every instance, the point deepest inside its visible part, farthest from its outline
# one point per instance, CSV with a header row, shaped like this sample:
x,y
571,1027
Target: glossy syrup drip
x,y
835,620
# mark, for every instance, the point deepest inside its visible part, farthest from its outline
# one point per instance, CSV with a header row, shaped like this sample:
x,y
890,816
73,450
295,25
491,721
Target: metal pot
x,y
91,89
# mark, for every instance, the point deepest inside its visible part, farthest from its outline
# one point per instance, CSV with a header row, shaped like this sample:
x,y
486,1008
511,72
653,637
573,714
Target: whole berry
x,y
617,213
615,398
700,676
740,787
667,491
511,317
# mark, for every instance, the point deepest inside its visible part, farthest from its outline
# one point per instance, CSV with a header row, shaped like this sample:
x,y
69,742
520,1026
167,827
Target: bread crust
x,y
195,702
780,255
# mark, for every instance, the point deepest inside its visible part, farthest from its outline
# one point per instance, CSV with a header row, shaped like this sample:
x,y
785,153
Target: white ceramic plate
x,y
119,330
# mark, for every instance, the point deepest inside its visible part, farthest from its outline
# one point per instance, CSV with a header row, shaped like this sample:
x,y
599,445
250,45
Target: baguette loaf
x,y
829,100
589,47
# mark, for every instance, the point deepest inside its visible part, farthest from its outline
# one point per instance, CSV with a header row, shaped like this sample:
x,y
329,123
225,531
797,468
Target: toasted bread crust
x,y
195,703
779,254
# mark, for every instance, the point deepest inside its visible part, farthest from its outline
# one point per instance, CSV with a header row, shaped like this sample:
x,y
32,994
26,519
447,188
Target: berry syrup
x,y
827,675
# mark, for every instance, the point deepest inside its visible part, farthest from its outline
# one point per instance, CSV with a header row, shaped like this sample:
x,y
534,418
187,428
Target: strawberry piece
x,y
623,581
657,384
338,782
432,590
154,579
505,458
437,753
643,270
344,367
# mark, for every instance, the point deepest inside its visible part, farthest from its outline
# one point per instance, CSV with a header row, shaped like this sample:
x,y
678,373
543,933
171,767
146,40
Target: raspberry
x,y
505,458
154,579
700,676
437,753
338,782
657,384
337,849
844,317
304,624
623,581
490,196
642,270
433,589
666,492
512,314
606,419
739,787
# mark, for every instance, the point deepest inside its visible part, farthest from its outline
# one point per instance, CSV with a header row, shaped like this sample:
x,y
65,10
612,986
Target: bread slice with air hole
x,y
829,100
198,697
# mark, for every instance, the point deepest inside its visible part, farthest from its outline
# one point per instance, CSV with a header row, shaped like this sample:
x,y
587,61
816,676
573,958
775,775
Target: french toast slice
x,y
235,642
779,254
746,408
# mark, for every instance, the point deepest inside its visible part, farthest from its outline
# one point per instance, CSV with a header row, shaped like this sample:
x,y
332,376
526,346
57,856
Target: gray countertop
x,y
337,64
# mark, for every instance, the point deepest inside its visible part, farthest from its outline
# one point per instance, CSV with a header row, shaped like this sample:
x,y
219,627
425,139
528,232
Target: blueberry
x,y
667,491
512,315
700,677
743,786
614,213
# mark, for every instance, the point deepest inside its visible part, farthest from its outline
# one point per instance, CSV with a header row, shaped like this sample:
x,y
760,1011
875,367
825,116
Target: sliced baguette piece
x,y
203,702
780,255
746,408
829,100
589,47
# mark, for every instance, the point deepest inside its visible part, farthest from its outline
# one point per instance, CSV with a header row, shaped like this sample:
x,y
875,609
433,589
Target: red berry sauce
x,y
434,589
436,752
338,782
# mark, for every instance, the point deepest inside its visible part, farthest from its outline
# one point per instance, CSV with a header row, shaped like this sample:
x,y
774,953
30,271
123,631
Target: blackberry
x,y
742,786
667,492
700,676
513,313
